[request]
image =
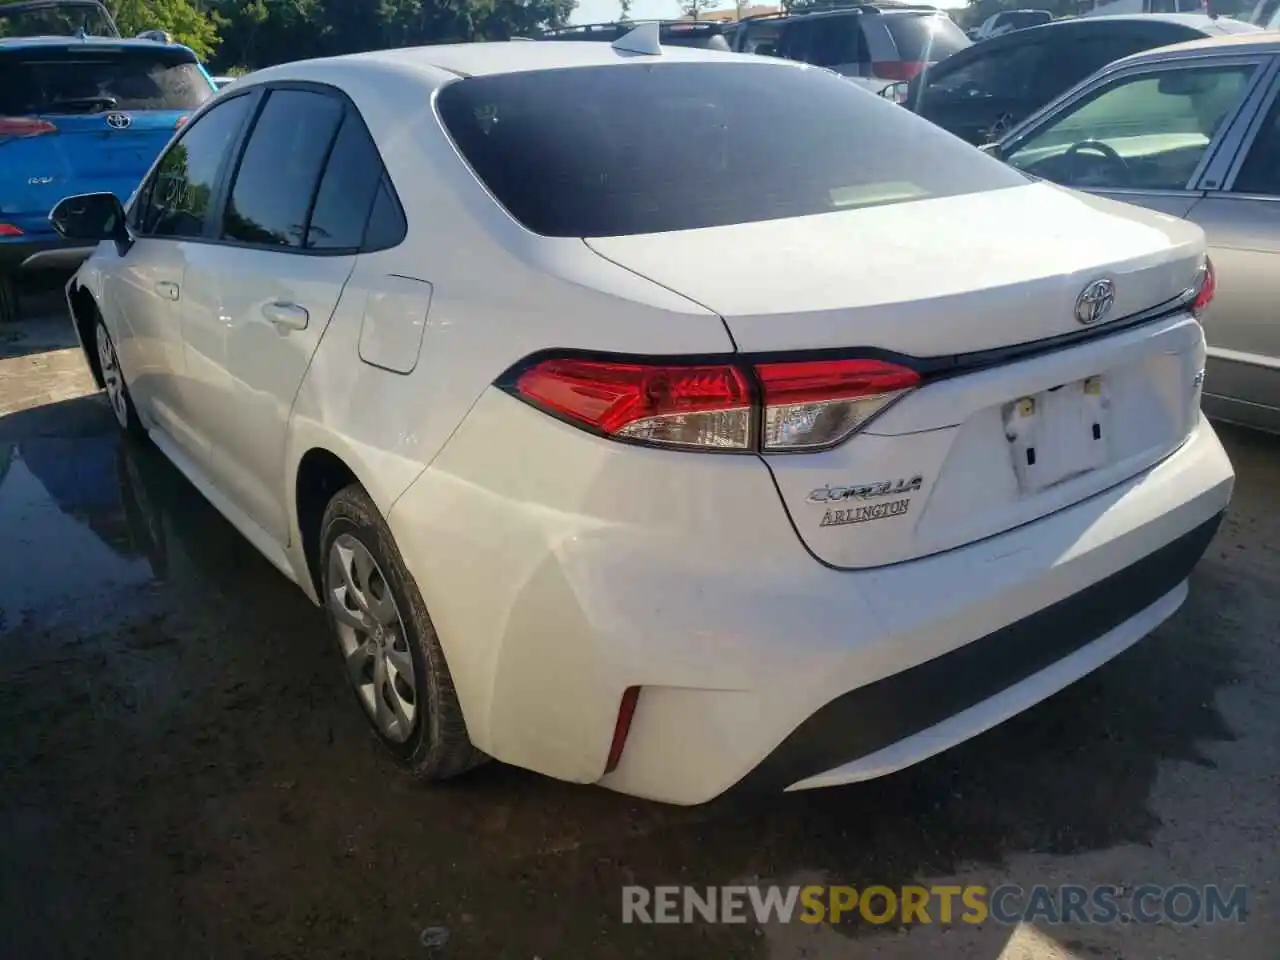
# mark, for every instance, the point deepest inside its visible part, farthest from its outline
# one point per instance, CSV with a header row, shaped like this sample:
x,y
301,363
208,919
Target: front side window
x,y
271,194
654,147
1144,132
176,200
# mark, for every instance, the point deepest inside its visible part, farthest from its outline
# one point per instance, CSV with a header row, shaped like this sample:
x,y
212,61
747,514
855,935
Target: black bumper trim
x,y
882,713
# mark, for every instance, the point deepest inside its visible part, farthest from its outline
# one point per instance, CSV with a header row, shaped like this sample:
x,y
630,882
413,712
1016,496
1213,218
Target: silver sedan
x,y
1192,130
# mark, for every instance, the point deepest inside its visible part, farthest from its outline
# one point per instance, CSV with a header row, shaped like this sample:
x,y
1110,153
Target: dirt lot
x,y
182,772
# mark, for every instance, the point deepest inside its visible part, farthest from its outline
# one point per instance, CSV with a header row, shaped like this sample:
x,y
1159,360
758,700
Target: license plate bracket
x,y
1058,434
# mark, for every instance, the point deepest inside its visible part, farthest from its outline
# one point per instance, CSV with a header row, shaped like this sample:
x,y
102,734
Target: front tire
x,y
113,380
390,650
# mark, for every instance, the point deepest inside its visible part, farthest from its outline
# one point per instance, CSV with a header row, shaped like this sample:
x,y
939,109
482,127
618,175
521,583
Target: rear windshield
x,y
647,148
39,81
65,20
925,37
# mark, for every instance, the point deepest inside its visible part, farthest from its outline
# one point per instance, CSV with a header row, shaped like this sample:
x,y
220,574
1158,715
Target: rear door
x,y
259,295
104,111
1242,220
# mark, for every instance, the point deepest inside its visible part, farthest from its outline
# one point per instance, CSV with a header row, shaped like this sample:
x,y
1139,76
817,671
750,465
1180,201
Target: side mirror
x,y
896,91
91,217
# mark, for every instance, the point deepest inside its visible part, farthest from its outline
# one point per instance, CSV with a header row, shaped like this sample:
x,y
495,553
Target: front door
x,y
168,219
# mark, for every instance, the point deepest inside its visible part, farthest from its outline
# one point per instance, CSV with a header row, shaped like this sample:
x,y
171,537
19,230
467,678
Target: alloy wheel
x,y
372,638
112,377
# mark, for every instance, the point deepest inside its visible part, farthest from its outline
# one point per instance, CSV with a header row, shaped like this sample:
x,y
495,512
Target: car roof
x,y
509,56
1261,41
14,43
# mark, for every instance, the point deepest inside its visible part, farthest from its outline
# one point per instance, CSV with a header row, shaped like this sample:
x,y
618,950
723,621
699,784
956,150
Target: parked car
x,y
981,92
869,43
1192,131
1007,21
702,34
659,453
58,18
76,116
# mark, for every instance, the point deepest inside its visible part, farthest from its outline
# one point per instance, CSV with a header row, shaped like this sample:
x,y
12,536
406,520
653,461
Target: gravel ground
x,y
183,773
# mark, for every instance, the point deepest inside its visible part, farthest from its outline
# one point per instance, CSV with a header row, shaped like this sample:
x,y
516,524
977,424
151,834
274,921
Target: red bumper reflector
x,y
626,710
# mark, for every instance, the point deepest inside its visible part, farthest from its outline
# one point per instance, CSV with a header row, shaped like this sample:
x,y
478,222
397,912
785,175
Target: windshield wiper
x,y
88,104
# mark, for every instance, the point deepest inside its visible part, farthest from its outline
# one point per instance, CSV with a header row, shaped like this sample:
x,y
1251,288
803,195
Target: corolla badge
x,y
1095,302
119,121
866,491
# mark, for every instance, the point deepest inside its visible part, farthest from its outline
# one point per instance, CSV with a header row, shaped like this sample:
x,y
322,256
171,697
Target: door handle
x,y
286,316
168,290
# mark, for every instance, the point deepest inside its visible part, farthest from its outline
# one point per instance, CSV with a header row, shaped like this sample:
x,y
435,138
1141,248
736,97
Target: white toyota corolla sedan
x,y
663,419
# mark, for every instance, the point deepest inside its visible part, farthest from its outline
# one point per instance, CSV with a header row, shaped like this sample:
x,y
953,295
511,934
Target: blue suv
x,y
80,114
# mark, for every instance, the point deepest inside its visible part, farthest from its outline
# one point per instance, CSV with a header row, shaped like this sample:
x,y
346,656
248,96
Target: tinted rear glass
x,y
61,21
647,148
925,37
40,81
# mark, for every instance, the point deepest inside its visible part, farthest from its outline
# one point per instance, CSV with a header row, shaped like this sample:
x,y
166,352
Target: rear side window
x,y
281,165
92,81
925,38
351,179
647,148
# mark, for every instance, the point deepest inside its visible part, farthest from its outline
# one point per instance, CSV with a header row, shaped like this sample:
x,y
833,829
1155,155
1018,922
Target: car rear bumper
x,y
561,569
23,254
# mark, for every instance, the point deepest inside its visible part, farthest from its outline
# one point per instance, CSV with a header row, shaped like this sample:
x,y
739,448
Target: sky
x,y
599,11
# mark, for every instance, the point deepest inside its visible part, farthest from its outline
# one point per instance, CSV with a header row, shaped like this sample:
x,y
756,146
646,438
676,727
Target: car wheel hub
x,y
372,638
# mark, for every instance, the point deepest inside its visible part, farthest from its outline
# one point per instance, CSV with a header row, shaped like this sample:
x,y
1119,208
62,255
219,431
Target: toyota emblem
x,y
1095,302
119,121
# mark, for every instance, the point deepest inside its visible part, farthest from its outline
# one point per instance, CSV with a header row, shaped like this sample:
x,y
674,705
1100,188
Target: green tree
x,y
187,23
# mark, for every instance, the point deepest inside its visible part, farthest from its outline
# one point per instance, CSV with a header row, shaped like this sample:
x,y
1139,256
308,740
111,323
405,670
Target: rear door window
x,y
836,41
703,144
1260,173
38,81
925,38
271,194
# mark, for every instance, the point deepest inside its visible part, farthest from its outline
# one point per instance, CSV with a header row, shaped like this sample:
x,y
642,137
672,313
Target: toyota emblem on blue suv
x,y
119,121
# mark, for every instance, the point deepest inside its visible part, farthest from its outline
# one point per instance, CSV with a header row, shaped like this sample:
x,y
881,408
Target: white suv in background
x,y
662,454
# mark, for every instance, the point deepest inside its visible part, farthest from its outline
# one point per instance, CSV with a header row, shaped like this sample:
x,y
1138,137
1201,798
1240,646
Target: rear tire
x,y
9,311
392,656
118,396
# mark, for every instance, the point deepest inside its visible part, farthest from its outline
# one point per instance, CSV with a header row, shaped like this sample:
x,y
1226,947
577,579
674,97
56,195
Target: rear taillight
x,y
1206,288
688,406
21,127
778,406
897,69
9,230
818,403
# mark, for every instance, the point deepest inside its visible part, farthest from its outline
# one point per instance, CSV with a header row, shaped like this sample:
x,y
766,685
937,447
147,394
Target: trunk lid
x,y
990,444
